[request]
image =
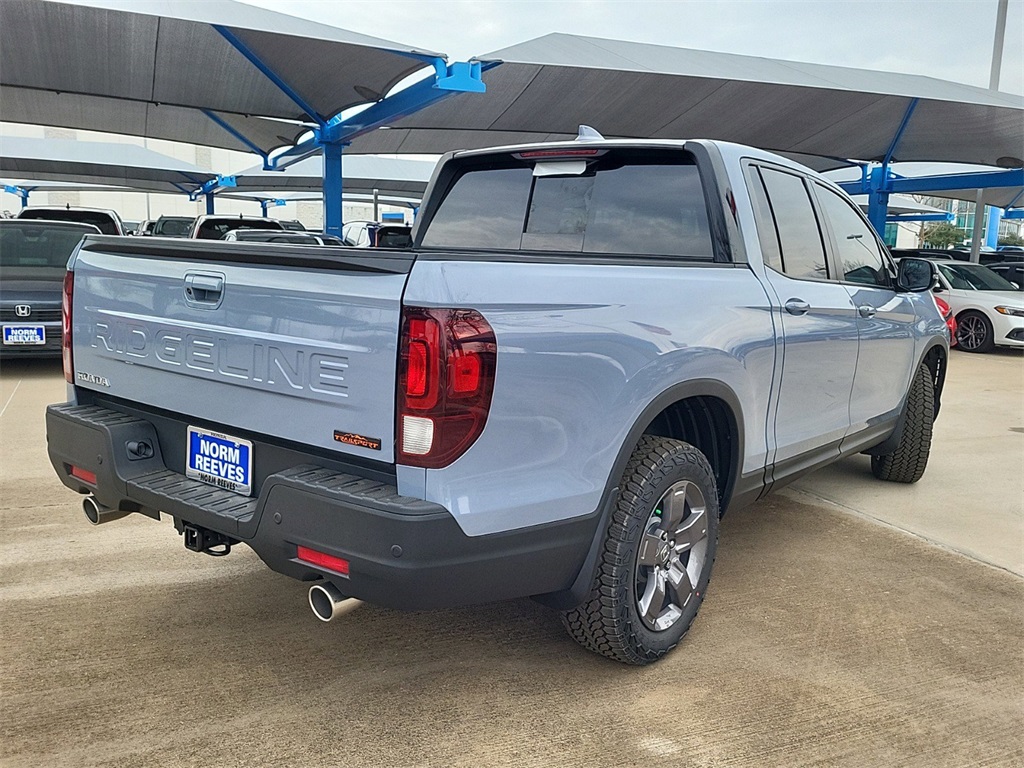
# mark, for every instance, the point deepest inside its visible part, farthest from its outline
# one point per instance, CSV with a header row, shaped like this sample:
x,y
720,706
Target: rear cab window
x,y
104,222
616,202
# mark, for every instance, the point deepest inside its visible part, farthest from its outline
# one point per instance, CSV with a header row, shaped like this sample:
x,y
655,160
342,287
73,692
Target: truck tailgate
x,y
293,342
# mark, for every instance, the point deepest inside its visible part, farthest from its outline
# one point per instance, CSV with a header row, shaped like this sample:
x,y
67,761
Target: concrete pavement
x,y
826,639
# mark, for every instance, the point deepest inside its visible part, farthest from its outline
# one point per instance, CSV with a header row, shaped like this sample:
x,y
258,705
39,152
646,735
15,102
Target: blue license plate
x,y
220,460
17,335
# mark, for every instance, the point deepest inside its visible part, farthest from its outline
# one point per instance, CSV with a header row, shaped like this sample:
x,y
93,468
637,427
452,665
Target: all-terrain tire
x,y
609,621
907,463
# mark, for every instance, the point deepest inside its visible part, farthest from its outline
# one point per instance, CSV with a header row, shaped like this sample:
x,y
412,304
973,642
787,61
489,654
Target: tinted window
x,y
624,203
484,209
766,233
215,229
803,253
101,221
394,237
176,227
973,277
35,249
856,247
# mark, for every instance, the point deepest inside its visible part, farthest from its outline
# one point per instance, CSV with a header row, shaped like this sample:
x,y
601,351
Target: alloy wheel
x,y
673,548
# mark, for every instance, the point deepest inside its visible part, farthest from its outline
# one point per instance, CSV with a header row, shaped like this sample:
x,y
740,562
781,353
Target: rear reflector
x,y
330,562
84,475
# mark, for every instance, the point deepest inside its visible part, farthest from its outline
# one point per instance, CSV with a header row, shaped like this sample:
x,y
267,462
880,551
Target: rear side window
x,y
630,203
803,250
858,251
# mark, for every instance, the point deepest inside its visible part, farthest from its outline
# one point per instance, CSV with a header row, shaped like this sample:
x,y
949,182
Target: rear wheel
x,y
974,332
907,463
657,556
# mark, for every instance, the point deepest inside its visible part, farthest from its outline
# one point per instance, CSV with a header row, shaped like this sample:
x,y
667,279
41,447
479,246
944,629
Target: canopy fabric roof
x,y
545,88
361,174
91,162
899,204
38,185
149,68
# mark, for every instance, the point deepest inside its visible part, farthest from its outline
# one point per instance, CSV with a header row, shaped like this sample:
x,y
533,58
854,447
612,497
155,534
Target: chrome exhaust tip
x,y
326,601
100,513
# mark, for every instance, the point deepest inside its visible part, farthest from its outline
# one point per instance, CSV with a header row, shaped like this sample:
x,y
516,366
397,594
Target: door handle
x,y
866,310
204,289
797,307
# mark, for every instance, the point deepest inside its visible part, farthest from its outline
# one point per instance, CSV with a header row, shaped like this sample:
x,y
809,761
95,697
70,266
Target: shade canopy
x,y
39,185
899,205
545,88
91,162
361,175
175,69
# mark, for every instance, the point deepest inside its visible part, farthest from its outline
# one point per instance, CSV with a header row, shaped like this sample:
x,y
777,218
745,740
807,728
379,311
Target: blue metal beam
x,y
899,131
460,77
19,191
212,186
896,218
925,184
986,180
266,203
236,133
270,74
1016,213
209,203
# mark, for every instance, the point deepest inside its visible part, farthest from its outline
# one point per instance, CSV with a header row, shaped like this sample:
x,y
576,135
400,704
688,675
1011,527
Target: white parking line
x,y
2,410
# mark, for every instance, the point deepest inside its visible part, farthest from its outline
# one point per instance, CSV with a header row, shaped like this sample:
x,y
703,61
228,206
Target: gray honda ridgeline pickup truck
x,y
592,350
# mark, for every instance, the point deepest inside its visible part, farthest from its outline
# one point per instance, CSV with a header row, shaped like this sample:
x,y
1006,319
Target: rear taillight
x,y
445,381
65,327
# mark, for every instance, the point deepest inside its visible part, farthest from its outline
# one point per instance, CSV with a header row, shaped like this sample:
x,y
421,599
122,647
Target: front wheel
x,y
907,463
656,562
974,332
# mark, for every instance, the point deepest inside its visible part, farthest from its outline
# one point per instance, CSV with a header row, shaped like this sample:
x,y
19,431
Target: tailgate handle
x,y
203,289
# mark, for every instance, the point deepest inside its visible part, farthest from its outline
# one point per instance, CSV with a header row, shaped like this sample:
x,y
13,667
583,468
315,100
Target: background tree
x,y
1011,239
943,235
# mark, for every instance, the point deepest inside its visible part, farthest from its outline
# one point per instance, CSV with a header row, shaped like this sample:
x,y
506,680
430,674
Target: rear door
x,y
300,345
885,318
818,321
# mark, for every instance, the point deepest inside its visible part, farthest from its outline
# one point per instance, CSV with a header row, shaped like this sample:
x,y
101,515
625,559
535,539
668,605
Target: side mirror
x,y
915,275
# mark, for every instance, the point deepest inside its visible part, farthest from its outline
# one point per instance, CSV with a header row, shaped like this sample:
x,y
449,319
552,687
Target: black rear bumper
x,y
402,552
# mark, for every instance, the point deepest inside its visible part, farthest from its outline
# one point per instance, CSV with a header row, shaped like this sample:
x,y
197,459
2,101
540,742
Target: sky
x,y
947,39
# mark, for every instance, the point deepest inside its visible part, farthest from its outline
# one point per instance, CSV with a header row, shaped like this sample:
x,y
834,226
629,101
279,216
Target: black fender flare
x,y
570,598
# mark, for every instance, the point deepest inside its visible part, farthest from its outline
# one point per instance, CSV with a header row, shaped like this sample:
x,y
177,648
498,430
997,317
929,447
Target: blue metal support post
x,y
209,203
878,198
995,215
19,191
263,207
333,187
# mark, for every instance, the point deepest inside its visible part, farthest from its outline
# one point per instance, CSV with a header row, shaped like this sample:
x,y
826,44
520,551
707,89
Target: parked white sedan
x,y
989,310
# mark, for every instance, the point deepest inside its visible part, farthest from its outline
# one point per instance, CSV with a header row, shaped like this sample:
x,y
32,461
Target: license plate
x,y
24,334
220,460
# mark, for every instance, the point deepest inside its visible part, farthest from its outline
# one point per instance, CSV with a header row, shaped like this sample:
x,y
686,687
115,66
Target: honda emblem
x,y
22,310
